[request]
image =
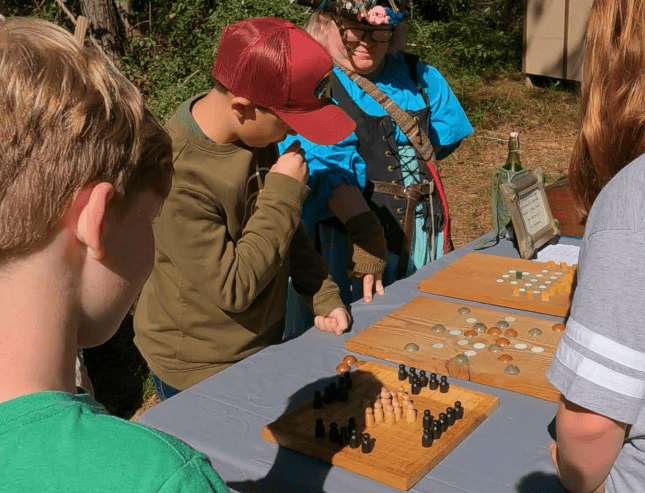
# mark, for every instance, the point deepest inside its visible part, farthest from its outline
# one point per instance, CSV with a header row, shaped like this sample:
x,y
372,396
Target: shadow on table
x,y
292,472
539,482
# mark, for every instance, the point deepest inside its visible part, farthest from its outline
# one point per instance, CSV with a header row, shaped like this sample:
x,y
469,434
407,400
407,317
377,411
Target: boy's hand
x,y
292,163
336,322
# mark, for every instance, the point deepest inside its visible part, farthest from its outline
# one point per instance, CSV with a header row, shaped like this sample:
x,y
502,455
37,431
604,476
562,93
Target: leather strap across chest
x,y
419,139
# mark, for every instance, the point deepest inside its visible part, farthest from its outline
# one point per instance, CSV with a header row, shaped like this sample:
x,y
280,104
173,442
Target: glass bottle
x,y
513,159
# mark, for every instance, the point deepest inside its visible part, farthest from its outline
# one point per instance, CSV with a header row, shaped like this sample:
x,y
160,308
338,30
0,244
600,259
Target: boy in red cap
x,y
229,234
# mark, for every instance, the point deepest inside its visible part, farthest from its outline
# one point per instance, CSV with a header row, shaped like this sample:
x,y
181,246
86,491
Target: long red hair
x,y
612,132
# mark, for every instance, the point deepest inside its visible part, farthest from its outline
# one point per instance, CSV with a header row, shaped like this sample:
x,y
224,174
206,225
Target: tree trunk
x,y
124,10
104,25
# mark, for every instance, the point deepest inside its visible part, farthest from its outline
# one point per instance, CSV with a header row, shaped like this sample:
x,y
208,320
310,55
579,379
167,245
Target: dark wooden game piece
x,y
436,430
348,380
424,378
341,384
354,439
318,400
444,386
334,433
443,421
433,384
351,424
459,411
366,443
411,374
343,396
450,416
344,436
320,428
416,387
327,396
403,374
333,391
427,419
426,440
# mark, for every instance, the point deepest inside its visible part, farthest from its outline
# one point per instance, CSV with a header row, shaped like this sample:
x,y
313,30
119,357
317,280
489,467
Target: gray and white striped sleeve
x,y
600,361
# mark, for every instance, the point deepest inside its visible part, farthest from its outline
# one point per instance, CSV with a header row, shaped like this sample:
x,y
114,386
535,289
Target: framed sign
x,y
530,212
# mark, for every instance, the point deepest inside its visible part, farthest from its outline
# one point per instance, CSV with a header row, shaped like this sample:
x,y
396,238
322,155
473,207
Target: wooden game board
x,y
488,278
413,324
397,459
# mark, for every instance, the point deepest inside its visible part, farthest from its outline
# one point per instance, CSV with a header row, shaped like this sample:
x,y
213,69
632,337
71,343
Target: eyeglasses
x,y
356,34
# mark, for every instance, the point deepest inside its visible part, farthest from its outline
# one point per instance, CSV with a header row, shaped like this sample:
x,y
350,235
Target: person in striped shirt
x,y
599,366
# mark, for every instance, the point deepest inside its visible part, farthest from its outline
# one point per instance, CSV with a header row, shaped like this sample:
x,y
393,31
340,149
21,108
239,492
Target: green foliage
x,y
465,47
170,58
173,60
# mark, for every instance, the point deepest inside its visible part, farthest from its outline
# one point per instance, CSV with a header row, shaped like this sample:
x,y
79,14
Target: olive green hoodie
x,y
227,240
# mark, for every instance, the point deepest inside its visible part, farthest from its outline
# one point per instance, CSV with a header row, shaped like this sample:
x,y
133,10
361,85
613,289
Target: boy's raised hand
x,y
336,322
292,163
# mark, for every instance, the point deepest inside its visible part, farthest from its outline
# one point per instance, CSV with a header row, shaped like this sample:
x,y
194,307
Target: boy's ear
x,y
242,108
91,217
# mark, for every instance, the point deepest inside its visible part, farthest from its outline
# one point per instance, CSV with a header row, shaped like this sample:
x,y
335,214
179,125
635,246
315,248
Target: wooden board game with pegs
x,y
397,457
514,283
472,343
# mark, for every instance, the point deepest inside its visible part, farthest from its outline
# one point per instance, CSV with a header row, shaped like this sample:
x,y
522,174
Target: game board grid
x,y
407,325
396,455
474,277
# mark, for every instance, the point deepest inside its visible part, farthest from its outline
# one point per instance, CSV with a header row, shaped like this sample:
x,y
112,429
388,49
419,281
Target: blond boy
x,y
84,169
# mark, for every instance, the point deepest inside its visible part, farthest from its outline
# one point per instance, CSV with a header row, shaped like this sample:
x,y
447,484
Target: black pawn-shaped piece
x,y
341,384
426,439
343,396
351,424
333,391
427,419
424,378
344,436
436,430
443,422
433,384
416,386
354,439
459,411
327,396
450,416
334,433
318,400
348,380
320,428
403,374
366,443
411,374
444,386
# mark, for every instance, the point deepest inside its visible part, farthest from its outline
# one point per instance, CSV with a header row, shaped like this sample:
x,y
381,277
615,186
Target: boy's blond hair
x,y
68,120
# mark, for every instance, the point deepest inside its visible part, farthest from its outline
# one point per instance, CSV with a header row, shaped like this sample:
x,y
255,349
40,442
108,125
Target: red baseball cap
x,y
275,64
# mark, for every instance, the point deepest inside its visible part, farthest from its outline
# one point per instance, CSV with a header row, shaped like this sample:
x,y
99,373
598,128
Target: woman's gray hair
x,y
319,23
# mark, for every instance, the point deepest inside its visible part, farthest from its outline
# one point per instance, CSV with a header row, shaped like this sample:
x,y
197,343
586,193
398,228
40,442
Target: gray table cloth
x,y
224,415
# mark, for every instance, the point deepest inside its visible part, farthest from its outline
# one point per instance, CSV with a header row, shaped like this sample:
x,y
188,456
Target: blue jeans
x,y
164,391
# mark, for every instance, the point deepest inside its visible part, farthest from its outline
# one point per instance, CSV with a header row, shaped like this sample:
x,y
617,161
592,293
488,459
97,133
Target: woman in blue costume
x,y
346,203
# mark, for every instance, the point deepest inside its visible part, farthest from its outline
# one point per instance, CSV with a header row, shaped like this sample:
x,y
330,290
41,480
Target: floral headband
x,y
373,12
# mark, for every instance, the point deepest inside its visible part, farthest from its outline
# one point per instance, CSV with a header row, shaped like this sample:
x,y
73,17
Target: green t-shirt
x,y
54,441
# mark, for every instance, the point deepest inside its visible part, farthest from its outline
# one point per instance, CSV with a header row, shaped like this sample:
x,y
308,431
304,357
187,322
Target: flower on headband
x,y
377,16
395,17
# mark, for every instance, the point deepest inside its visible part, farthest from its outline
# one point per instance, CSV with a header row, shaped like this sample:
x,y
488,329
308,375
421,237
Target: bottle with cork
x,y
513,159
510,171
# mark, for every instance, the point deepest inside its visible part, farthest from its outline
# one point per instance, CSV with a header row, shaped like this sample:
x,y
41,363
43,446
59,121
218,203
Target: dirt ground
x,y
546,119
